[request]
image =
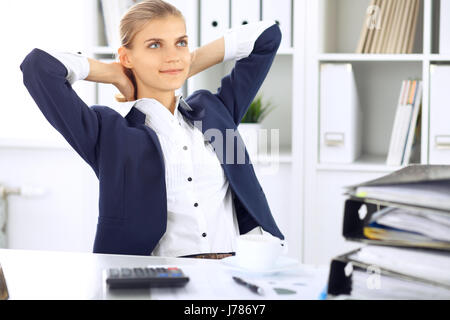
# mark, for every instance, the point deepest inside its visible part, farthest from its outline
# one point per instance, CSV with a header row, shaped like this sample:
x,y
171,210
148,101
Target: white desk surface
x,y
43,275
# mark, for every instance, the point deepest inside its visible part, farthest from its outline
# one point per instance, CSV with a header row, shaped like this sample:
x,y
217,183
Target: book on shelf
x,y
389,27
406,120
112,12
403,220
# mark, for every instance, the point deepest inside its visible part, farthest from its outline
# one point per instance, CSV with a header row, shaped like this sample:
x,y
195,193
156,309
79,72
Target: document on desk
x,y
215,282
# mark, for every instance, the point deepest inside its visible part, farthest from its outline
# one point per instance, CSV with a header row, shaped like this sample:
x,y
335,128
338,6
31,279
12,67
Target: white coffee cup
x,y
259,252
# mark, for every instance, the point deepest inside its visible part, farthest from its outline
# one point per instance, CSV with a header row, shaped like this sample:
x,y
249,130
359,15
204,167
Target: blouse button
x,y
196,204
189,179
185,148
204,234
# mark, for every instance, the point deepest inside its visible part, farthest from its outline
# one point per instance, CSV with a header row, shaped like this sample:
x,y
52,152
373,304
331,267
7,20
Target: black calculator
x,y
129,278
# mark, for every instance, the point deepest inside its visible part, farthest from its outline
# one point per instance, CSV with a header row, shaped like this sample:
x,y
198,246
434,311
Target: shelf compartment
x,y
378,86
349,57
340,24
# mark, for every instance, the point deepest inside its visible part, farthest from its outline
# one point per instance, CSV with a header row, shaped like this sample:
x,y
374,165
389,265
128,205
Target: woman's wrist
x,y
103,72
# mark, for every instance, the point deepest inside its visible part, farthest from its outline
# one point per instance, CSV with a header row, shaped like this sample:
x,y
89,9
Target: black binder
x,y
353,226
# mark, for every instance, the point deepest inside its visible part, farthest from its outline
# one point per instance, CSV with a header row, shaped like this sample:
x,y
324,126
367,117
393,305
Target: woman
x,y
164,188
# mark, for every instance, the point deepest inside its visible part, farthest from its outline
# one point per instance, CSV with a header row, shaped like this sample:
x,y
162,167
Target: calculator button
x,y
126,272
114,273
139,272
149,272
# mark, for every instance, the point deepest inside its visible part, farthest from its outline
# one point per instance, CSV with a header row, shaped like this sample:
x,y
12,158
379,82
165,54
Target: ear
x,y
124,58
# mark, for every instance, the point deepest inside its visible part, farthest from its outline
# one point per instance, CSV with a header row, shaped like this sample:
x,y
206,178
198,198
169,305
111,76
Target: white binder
x,y
215,19
243,12
340,115
444,27
280,11
439,141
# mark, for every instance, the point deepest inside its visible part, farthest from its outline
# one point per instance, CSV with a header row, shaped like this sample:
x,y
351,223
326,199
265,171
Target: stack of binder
x,y
403,220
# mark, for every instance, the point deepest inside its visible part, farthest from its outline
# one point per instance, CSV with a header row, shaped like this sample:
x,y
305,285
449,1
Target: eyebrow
x,y
162,40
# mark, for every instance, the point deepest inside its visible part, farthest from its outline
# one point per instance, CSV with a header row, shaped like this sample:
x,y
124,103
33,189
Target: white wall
x,y
28,24
65,218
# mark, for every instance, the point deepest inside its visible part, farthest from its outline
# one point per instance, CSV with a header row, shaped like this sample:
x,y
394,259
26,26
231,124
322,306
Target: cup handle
x,y
284,244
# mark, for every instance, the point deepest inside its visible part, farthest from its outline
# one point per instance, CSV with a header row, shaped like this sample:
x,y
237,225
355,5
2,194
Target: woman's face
x,y
162,45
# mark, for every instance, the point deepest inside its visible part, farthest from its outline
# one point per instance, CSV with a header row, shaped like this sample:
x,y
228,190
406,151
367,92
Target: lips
x,y
172,71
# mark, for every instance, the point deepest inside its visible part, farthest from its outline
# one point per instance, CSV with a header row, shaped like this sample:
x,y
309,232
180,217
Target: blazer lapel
x,y
194,113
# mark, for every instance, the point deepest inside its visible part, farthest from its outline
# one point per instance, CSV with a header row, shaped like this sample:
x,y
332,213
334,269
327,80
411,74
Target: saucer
x,y
282,264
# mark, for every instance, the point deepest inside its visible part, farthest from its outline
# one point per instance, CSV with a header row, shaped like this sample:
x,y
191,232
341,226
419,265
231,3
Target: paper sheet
x,y
210,282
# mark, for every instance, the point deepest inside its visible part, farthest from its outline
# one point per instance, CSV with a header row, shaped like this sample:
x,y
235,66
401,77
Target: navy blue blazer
x,y
126,155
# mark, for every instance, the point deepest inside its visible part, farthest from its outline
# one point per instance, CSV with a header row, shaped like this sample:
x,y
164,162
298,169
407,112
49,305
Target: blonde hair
x,y
135,19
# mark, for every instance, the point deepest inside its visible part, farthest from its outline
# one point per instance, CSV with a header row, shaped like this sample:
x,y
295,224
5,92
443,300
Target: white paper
x,y
214,281
425,264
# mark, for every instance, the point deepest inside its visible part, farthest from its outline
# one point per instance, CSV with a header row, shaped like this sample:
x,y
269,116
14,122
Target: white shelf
x,y
325,57
366,163
104,50
439,57
369,57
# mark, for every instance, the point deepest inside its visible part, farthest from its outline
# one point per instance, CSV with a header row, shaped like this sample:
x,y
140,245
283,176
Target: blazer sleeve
x,y
239,88
46,79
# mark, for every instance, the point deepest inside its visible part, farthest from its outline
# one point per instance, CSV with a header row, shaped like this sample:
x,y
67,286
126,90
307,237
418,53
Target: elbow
x,y
277,36
30,62
39,63
270,39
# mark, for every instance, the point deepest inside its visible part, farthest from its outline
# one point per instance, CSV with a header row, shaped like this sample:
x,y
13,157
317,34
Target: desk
x,y
67,275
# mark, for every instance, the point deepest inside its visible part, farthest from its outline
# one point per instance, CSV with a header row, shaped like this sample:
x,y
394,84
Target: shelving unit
x,y
333,31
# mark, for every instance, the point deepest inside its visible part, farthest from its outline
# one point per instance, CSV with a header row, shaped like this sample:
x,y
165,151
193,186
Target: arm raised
x,y
207,56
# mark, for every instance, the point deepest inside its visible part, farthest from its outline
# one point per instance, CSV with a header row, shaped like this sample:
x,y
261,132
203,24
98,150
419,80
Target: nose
x,y
172,55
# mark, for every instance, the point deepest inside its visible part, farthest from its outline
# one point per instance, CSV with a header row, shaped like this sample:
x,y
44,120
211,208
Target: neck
x,y
166,98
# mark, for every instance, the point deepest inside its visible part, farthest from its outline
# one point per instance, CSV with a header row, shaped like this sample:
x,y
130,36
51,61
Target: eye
x,y
184,42
154,43
150,45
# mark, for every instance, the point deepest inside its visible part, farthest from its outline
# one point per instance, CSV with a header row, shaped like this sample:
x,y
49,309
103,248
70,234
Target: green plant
x,y
257,111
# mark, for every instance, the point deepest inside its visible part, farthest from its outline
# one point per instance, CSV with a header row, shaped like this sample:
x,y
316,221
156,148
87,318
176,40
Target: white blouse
x,y
201,217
